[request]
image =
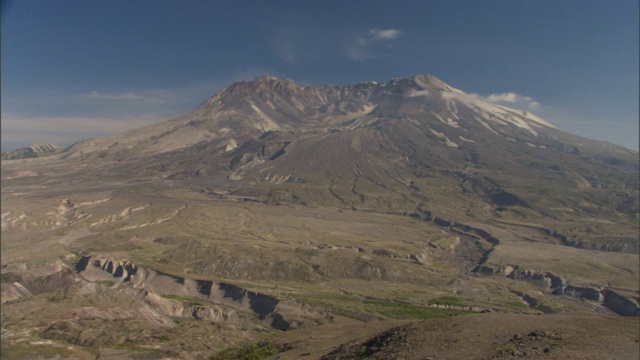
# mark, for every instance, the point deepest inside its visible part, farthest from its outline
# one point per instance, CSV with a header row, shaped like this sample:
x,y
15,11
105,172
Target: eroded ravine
x,y
267,309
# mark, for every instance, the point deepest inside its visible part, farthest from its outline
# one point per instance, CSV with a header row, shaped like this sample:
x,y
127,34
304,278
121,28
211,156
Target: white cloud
x,y
388,34
298,45
510,98
359,47
416,93
114,96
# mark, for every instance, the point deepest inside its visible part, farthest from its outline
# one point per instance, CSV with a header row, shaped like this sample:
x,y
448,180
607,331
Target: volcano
x,y
396,146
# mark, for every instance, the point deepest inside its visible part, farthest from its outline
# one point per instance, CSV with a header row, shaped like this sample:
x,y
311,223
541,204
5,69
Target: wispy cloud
x,y
417,93
129,96
65,118
360,46
388,34
294,44
285,50
63,130
513,99
510,99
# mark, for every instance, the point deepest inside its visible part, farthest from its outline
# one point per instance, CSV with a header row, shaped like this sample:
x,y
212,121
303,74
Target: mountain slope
x,y
32,151
349,143
414,147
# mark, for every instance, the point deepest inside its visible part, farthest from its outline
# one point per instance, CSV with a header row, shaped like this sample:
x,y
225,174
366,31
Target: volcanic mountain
x,y
274,206
380,147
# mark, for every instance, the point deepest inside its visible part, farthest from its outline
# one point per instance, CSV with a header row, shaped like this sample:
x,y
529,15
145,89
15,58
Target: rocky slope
x,y
406,146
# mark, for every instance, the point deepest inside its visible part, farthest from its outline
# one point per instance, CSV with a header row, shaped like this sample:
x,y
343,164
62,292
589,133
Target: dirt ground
x,y
480,336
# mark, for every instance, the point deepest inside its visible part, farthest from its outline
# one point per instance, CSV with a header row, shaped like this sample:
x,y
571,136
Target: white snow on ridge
x,y
444,138
267,124
537,120
454,108
497,113
487,126
231,145
449,121
502,115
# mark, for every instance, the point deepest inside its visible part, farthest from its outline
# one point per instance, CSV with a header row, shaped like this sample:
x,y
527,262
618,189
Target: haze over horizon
x,y
73,70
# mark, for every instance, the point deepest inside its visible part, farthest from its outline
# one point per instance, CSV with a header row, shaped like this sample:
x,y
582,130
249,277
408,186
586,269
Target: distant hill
x,y
32,151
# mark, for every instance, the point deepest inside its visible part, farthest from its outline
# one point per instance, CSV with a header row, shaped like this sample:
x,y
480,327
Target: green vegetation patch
x,y
381,309
506,349
255,351
397,310
447,300
192,300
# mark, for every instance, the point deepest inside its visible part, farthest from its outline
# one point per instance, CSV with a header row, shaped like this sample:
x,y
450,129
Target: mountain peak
x,y
430,82
263,83
271,83
266,78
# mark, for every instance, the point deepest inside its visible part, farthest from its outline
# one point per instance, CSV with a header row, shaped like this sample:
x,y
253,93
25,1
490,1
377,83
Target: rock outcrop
x,y
610,299
199,299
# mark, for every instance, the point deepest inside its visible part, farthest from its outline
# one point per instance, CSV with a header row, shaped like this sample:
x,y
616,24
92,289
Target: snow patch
x,y
453,108
537,120
487,126
231,144
444,138
499,114
448,121
267,124
465,139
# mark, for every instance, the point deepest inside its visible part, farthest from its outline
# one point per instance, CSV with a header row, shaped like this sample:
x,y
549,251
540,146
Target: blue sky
x,y
78,69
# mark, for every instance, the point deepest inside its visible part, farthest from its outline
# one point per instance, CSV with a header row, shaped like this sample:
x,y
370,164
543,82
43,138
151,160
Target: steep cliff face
x,y
199,299
24,281
620,302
